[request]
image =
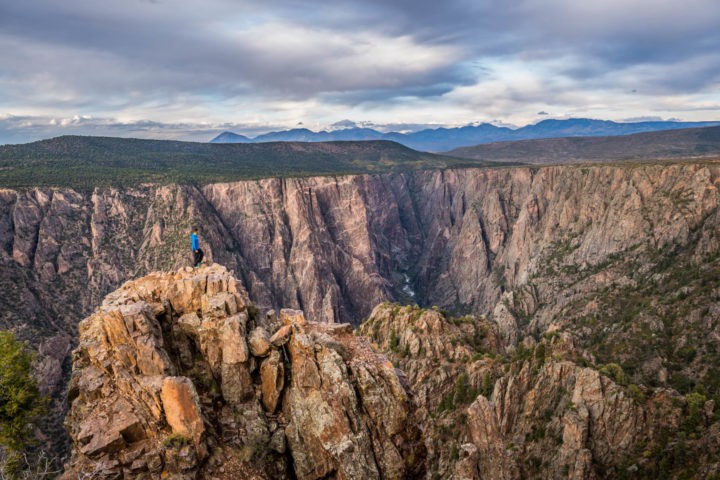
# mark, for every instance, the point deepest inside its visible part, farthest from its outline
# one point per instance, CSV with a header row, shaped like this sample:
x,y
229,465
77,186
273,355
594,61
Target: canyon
x,y
610,267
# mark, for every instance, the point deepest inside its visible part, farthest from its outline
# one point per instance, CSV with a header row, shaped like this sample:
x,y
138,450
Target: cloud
x,y
650,118
389,62
344,124
17,129
20,129
147,55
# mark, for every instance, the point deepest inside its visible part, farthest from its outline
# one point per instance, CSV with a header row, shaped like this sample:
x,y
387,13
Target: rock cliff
x,y
540,411
176,375
337,246
622,258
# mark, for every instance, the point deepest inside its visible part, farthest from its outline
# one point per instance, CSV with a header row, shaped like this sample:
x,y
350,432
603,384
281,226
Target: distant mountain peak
x,y
439,139
230,137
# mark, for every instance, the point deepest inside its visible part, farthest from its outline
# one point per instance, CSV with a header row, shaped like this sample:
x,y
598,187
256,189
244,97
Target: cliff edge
x,y
177,376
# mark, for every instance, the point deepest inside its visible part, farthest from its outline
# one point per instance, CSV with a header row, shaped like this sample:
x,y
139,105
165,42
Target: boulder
x,y
232,339
272,380
237,385
259,341
182,408
290,317
282,336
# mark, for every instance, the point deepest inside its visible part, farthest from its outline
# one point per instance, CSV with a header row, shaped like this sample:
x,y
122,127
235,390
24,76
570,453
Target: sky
x,y
189,69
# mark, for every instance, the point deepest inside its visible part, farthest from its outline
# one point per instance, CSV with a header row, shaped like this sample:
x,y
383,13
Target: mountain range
x,y
88,162
687,142
443,139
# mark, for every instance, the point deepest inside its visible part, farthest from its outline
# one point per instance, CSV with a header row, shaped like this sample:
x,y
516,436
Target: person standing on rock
x,y
197,251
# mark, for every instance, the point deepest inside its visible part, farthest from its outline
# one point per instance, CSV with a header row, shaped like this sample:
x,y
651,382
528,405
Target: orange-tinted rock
x,y
158,391
182,408
289,316
219,305
232,339
259,342
282,336
272,378
330,414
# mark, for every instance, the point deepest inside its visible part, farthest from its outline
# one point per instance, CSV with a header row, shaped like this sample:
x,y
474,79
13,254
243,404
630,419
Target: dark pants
x,y
199,255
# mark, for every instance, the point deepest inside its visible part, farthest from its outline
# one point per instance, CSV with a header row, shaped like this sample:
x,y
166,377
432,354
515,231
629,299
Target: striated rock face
x,y
164,383
563,420
460,236
330,417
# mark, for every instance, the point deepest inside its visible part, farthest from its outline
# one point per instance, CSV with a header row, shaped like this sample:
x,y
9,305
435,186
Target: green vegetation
x,y
695,403
487,385
643,320
615,371
176,440
454,454
462,394
522,353
676,452
394,341
649,146
636,393
86,162
20,399
654,311
21,405
35,466
648,323
537,433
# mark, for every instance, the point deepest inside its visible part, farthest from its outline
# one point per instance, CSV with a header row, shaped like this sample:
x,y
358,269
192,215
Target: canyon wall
x,y
337,246
534,248
177,375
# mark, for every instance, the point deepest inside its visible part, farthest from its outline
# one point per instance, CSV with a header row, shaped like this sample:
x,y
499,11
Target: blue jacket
x,y
195,242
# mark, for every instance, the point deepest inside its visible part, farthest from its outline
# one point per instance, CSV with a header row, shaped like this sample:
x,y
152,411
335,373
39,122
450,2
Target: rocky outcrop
x,y
533,411
562,420
430,348
165,384
330,418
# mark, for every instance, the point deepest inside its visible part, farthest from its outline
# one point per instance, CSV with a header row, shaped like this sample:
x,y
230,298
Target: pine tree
x,y
20,400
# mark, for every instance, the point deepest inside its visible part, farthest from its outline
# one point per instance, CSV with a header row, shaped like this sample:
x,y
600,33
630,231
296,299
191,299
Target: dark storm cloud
x,y
87,45
197,46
